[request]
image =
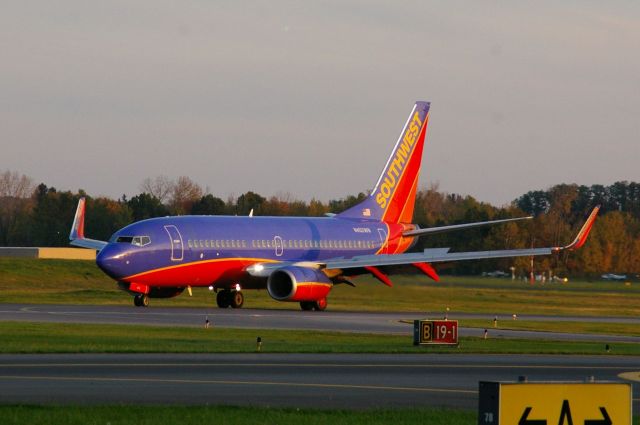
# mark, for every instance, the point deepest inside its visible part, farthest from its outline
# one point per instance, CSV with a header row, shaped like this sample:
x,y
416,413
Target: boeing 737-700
x,y
295,258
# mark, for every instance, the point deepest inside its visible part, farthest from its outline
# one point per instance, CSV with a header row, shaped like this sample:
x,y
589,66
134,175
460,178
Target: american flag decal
x,y
366,212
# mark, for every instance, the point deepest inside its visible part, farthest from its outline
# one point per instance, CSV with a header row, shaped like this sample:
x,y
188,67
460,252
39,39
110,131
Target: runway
x,y
285,380
390,323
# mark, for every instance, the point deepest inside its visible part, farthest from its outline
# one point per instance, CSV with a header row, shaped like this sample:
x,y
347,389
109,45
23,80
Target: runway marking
x,y
319,365
226,382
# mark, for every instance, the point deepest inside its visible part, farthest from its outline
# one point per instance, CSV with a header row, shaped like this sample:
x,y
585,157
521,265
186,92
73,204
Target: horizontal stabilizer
x,y
454,227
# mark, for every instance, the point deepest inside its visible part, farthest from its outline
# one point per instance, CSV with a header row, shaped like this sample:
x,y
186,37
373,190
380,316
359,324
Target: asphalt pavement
x,y
357,381
390,323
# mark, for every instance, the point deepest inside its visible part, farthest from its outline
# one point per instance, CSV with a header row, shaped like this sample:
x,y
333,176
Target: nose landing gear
x,y
141,300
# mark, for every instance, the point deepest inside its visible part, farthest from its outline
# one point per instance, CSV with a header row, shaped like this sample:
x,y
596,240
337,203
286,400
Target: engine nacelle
x,y
293,283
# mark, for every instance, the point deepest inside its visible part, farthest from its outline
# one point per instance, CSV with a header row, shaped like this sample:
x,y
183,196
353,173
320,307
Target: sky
x,y
308,98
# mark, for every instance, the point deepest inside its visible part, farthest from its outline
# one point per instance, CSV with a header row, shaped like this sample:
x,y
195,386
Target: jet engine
x,y
294,283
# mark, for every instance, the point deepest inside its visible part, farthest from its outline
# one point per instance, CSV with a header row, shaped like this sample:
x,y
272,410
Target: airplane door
x,y
383,241
279,246
177,247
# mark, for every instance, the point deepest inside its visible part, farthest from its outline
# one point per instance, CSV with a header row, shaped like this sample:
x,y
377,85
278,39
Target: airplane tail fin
x,y
393,197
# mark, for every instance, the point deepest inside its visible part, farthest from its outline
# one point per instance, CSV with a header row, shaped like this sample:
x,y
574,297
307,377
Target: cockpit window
x,y
134,240
141,240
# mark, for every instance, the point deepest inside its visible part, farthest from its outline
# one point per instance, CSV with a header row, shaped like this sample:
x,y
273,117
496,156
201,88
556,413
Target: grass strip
x,y
27,337
81,282
602,328
223,415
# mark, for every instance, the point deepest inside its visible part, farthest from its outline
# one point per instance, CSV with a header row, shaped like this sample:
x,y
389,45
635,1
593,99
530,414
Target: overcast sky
x,y
309,98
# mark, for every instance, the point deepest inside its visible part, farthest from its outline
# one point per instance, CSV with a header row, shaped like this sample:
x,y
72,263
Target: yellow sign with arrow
x,y
555,403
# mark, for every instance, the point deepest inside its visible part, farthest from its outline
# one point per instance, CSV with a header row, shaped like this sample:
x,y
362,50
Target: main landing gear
x,y
319,305
228,298
141,300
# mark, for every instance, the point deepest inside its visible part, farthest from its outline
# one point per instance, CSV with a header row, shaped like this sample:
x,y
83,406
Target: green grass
x,y
222,415
24,337
81,282
631,329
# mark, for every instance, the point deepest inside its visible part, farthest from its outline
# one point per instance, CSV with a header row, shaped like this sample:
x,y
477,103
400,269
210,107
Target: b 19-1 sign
x,y
435,332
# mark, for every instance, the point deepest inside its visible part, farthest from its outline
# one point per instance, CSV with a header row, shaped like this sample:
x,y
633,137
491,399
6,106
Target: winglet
x,y
77,229
76,236
584,231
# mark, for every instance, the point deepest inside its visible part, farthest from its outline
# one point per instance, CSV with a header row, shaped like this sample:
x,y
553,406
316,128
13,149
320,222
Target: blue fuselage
x,y
199,250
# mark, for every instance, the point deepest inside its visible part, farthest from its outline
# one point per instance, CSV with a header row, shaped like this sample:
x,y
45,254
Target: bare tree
x,y
14,185
185,192
15,202
160,187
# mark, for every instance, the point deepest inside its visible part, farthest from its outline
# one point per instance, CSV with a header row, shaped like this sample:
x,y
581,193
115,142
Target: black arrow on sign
x,y
606,420
525,421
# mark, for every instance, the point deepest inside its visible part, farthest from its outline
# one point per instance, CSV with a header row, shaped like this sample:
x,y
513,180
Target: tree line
x,y
39,215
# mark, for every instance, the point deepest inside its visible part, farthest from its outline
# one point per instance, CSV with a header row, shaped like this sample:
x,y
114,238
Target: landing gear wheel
x,y
236,299
223,299
306,305
320,305
141,300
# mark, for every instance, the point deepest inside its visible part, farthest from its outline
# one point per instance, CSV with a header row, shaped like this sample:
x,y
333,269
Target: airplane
x,y
613,276
297,259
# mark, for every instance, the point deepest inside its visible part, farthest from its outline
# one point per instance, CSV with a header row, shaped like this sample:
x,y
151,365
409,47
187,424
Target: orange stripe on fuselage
x,y
198,273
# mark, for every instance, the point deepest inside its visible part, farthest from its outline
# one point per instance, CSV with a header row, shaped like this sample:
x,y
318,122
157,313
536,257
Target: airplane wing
x,y
439,255
422,259
442,229
76,236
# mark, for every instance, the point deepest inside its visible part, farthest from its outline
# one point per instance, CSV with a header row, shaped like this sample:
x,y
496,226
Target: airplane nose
x,y
111,261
